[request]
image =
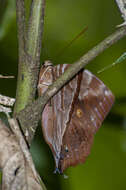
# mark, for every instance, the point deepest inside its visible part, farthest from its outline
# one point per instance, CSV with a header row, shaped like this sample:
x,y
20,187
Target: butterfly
x,y
72,117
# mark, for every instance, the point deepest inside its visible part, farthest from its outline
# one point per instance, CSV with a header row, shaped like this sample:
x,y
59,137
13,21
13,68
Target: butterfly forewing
x,y
74,114
57,114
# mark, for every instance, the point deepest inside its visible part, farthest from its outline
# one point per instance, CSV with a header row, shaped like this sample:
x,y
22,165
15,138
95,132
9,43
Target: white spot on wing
x,y
100,103
92,118
93,121
102,106
107,93
89,76
98,114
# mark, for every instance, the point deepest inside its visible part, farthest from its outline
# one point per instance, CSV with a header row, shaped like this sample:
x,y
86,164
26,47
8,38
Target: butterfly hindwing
x,y
90,109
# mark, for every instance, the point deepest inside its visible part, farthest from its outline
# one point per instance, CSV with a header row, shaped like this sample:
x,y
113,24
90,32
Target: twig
x,y
30,116
5,109
7,101
122,6
118,60
6,77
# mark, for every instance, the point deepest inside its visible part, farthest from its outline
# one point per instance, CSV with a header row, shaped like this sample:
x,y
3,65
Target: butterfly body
x,y
74,114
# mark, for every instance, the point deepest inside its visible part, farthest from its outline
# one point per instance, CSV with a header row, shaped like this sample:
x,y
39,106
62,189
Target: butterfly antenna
x,y
119,60
69,44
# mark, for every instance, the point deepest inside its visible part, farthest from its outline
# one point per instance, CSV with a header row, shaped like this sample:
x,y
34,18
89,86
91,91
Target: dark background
x,y
105,167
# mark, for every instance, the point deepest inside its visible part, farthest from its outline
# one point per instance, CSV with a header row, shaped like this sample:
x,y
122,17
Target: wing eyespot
x,y
66,148
79,113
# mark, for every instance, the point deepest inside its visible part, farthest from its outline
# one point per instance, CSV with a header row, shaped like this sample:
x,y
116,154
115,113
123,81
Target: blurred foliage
x,y
105,167
7,14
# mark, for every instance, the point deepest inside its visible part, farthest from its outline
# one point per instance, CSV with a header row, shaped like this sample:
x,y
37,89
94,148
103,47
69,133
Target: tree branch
x,y
30,116
20,16
35,29
29,59
122,7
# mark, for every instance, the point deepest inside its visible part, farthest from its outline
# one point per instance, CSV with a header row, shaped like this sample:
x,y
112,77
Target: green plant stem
x,y
29,52
32,113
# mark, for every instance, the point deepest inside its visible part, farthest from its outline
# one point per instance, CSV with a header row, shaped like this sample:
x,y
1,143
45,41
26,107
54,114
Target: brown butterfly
x,y
72,117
